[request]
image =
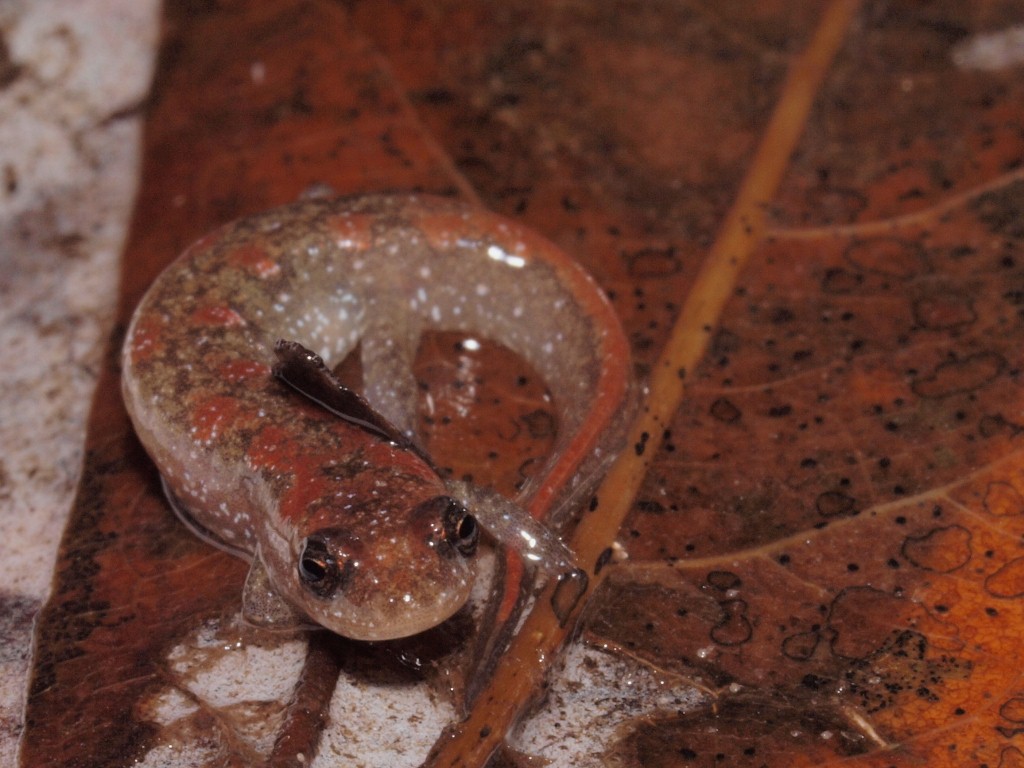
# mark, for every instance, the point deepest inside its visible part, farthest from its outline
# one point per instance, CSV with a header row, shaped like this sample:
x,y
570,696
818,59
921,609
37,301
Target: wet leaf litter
x,y
853,590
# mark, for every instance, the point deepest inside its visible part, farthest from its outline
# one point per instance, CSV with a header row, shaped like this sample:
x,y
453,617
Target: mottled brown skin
x,y
305,494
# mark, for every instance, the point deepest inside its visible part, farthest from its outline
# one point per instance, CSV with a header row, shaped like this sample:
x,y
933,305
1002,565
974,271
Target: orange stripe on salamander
x,y
443,230
384,453
243,370
217,315
211,415
254,260
270,450
147,339
352,231
276,450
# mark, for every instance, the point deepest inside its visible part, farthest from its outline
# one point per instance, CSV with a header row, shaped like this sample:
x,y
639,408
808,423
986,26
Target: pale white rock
x,y
69,143
374,723
991,51
590,699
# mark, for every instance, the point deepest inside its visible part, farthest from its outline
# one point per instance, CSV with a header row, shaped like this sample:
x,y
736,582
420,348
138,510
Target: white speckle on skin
x,y
498,254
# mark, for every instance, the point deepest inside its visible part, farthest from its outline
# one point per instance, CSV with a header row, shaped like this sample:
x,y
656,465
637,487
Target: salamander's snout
x,y
390,580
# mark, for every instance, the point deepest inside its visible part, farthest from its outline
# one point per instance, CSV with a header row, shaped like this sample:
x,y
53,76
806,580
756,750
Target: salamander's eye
x,y
460,528
318,568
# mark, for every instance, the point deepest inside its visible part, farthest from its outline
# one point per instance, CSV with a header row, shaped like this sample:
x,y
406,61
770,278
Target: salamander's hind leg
x,y
389,346
512,526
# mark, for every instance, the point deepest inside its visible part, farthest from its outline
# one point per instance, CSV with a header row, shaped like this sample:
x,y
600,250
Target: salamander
x,y
345,520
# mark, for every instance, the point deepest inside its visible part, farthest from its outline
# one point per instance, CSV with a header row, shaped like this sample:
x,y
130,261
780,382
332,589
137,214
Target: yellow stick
x,y
521,672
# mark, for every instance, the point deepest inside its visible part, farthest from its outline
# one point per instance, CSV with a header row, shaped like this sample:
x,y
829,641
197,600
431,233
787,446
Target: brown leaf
x,y
826,528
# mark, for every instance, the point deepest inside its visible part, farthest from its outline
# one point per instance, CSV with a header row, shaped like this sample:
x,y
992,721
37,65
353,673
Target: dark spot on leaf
x,y
840,281
435,96
724,343
815,682
835,503
724,580
723,410
782,315
648,263
650,506
1000,210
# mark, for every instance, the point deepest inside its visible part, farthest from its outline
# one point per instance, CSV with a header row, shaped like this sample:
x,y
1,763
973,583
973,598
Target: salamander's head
x,y
405,572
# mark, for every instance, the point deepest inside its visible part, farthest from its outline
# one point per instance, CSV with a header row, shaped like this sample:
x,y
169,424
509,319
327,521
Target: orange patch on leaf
x,y
1002,498
878,384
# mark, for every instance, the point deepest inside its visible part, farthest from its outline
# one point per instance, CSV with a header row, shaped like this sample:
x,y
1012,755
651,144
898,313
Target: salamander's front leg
x,y
305,372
